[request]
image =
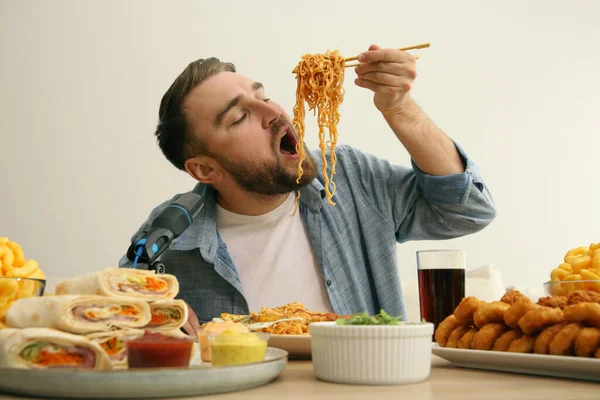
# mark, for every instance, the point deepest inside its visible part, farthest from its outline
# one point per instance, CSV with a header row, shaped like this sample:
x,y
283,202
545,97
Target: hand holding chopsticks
x,y
414,47
389,74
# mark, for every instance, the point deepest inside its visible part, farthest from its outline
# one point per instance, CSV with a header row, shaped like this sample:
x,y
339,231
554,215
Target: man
x,y
248,248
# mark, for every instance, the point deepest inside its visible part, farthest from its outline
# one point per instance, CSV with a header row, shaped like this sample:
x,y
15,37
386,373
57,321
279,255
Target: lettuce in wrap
x,y
126,282
78,314
38,348
167,315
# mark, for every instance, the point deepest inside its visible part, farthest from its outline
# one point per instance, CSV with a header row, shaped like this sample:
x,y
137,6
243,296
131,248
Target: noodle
x,y
319,82
291,310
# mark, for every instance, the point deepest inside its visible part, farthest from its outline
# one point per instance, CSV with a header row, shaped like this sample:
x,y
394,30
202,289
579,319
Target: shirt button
x,y
328,283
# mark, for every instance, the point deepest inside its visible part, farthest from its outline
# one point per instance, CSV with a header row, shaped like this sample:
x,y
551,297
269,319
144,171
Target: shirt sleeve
x,y
419,205
124,262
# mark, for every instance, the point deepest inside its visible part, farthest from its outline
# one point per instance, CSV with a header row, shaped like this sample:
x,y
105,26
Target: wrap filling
x,y
46,354
114,347
163,316
102,312
141,284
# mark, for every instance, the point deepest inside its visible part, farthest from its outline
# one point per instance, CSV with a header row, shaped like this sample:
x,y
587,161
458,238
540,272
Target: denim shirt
x,y
377,206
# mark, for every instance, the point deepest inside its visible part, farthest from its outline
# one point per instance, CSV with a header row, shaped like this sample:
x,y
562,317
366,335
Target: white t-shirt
x,y
274,258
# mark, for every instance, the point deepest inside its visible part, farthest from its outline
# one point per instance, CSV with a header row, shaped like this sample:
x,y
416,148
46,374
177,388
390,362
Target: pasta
x,y
297,326
579,271
319,83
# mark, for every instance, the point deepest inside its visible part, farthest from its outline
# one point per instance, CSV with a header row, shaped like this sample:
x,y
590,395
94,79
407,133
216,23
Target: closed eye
x,y
239,121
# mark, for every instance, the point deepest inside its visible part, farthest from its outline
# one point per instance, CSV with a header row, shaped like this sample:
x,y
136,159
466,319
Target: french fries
x,y
14,265
580,263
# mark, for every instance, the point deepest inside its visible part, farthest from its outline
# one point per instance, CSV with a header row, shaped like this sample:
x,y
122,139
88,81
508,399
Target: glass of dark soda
x,y
441,283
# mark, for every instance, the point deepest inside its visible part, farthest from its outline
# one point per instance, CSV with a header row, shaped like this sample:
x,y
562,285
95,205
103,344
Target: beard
x,y
265,179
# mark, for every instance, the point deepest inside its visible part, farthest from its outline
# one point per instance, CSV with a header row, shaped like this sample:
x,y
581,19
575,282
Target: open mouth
x,y
287,144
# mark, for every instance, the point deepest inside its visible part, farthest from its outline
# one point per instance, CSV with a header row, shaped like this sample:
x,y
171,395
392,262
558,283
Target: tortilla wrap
x,y
113,344
78,314
167,315
126,282
41,348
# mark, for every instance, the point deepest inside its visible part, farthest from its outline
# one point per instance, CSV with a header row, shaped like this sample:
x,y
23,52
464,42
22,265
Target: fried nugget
x,y
564,341
553,301
539,318
455,336
511,296
504,341
520,307
587,342
524,344
588,313
584,296
485,338
542,341
465,310
489,313
467,339
444,329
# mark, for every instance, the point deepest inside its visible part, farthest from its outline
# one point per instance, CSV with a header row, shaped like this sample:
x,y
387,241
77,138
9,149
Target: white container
x,y
371,354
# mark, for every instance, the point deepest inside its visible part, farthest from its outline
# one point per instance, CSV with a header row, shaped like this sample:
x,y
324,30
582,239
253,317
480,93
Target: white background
x,y
516,83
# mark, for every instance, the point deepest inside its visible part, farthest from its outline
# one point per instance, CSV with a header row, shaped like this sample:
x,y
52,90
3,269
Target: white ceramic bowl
x,y
371,354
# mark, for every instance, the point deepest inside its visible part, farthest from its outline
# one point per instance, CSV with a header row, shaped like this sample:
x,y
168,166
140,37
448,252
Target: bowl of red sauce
x,y
155,350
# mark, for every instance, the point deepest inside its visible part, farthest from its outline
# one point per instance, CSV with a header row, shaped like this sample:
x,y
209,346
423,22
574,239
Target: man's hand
x,y
390,74
192,324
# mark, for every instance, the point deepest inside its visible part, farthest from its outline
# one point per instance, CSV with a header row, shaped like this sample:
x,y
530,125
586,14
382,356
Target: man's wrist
x,y
406,118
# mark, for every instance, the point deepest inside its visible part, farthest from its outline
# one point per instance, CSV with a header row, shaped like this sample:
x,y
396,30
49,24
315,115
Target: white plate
x,y
199,379
297,346
533,364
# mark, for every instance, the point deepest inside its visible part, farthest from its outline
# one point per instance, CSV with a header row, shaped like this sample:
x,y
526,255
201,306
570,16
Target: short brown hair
x,y
173,135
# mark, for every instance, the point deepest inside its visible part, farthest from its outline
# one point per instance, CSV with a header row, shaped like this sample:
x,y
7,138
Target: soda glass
x,y
441,276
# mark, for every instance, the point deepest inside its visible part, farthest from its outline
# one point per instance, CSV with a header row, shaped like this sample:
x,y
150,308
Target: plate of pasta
x,y
286,324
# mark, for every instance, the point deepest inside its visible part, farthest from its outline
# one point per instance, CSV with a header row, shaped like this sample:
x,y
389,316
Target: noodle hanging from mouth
x,y
319,83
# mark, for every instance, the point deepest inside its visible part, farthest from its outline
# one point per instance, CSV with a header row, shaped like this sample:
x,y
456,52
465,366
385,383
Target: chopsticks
x,y
357,64
416,46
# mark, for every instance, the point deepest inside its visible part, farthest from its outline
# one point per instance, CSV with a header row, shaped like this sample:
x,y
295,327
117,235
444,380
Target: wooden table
x,y
445,382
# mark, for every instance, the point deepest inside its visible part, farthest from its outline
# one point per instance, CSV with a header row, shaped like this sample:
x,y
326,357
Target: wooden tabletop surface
x,y
445,382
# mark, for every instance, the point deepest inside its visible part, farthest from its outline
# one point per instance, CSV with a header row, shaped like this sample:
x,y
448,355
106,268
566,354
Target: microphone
x,y
172,221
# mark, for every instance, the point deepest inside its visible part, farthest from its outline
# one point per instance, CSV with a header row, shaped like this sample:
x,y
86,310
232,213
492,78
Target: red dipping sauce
x,y
155,350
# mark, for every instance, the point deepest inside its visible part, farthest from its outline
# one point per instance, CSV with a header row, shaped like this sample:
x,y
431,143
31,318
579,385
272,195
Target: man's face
x,y
249,136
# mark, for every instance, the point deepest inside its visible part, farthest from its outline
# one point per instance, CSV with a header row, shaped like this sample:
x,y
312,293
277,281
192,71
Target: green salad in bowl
x,y
371,349
382,318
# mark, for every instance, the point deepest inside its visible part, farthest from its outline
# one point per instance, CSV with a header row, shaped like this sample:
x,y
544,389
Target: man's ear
x,y
204,169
